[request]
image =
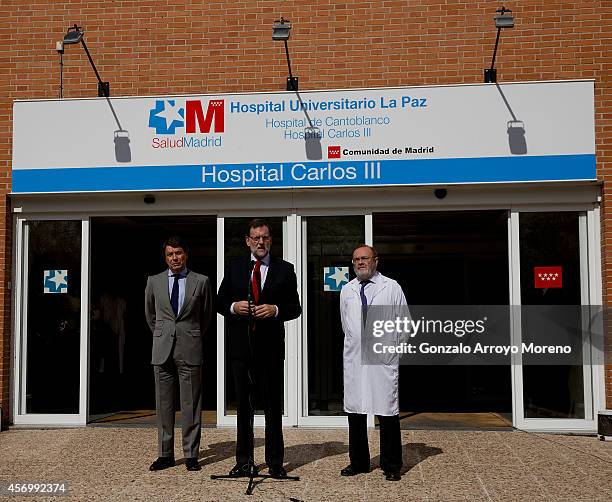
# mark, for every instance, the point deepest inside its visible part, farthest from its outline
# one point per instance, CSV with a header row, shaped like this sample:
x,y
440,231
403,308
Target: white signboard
x,y
396,136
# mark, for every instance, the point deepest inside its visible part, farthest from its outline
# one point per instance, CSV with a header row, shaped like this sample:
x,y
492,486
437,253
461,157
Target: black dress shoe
x,y
243,470
277,472
162,463
351,470
192,464
392,476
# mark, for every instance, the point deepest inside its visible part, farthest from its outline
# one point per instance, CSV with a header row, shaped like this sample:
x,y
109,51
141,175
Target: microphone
x,y
250,298
250,285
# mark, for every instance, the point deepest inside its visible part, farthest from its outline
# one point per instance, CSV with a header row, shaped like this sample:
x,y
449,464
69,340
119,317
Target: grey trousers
x,y
190,389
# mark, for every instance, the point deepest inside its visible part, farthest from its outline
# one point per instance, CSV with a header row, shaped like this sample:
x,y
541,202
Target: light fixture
x,y
312,135
503,19
74,35
280,31
121,137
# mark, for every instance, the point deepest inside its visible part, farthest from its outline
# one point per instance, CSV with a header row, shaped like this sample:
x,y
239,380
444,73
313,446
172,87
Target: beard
x,y
365,274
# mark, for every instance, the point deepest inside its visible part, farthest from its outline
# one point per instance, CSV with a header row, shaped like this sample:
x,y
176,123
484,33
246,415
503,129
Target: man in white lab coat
x,y
369,389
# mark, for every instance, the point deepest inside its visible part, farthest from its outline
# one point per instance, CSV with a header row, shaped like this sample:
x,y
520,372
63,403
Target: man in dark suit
x,y
178,308
257,295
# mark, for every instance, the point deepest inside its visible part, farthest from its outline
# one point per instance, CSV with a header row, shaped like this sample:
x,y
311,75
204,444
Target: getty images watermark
x,y
485,335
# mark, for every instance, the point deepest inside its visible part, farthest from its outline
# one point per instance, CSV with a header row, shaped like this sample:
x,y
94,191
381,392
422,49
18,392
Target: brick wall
x,y
172,47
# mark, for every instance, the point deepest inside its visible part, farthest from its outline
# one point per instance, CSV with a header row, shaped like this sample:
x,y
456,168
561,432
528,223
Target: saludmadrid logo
x,y
192,123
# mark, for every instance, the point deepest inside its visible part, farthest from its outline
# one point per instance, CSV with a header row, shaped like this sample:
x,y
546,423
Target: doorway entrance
x,y
439,258
124,252
449,258
457,256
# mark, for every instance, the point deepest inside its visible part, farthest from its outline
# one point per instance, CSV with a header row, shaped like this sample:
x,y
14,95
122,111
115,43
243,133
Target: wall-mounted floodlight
x,y
312,135
121,138
74,35
503,19
280,31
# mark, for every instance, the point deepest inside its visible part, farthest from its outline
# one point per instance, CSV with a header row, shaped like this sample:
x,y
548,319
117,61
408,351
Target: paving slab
x,y
111,463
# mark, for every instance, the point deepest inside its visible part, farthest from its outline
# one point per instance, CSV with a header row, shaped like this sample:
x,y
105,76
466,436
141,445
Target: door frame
x,y
290,223
590,292
303,418
20,326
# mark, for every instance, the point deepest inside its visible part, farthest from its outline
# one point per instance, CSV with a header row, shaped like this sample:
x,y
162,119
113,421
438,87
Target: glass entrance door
x,y
554,276
449,258
231,231
121,381
50,383
327,246
469,257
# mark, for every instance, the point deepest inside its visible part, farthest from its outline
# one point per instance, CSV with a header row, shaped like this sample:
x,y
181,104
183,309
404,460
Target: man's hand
x,y
264,311
241,308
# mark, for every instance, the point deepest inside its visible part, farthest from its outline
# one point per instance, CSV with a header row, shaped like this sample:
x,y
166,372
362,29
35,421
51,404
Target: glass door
x,y
552,287
51,322
231,233
327,246
440,259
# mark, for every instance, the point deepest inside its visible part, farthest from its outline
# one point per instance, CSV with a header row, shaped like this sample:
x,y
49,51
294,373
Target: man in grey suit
x,y
178,308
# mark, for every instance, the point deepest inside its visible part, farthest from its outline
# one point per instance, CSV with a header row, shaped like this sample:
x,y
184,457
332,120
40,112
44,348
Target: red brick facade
x,y
150,48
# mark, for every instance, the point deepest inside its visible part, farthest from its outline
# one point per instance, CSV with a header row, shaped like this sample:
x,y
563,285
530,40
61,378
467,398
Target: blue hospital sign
x,y
55,281
334,278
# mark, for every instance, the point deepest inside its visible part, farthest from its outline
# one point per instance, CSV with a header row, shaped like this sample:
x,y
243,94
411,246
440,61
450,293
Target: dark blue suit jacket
x,y
280,289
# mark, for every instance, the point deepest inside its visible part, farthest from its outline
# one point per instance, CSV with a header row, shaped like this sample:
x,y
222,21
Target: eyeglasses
x,y
263,238
363,258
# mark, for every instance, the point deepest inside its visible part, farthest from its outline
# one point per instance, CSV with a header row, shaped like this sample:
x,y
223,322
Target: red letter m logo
x,y
215,110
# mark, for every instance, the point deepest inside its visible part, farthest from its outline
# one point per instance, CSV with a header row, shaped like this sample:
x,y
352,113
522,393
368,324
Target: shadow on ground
x,y
299,455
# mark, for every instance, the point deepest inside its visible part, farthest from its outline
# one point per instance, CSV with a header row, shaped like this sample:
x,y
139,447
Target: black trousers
x,y
262,378
390,442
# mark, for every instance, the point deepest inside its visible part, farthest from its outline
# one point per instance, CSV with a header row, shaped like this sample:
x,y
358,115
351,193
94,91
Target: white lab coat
x,y
368,389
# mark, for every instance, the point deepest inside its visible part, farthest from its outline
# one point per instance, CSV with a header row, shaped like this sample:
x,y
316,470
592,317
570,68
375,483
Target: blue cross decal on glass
x,y
334,278
55,281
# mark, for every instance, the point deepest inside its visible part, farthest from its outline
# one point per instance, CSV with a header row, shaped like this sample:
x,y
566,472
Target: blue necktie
x,y
364,301
174,297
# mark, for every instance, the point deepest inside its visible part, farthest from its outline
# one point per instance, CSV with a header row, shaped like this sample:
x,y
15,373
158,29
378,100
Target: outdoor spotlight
x,y
503,19
74,35
121,138
280,31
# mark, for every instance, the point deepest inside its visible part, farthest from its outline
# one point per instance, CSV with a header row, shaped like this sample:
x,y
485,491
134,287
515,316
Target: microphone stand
x,y
252,470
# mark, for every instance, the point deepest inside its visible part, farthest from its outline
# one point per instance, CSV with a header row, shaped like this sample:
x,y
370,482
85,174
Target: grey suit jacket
x,y
188,327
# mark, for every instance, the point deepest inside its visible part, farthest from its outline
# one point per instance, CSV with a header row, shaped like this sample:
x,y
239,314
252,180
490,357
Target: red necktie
x,y
256,282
